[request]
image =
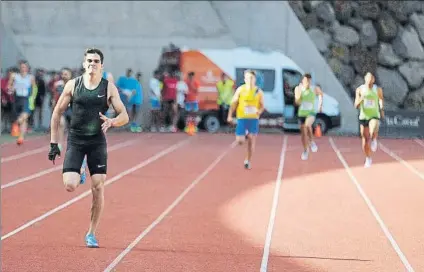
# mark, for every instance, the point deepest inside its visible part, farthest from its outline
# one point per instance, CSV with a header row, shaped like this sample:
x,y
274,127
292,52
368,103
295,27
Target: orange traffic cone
x,y
15,130
191,129
318,132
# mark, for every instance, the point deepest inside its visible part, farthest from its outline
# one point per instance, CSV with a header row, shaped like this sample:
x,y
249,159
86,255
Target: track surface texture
x,y
178,203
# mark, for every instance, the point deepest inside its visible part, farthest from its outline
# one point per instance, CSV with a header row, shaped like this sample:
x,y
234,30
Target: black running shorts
x,y
95,147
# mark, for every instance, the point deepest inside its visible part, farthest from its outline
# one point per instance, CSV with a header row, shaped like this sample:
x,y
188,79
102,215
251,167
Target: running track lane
x,y
207,230
322,223
57,243
40,195
23,167
396,193
9,149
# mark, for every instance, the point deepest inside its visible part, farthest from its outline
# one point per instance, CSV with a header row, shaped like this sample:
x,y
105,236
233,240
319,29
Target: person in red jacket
x,y
191,101
169,100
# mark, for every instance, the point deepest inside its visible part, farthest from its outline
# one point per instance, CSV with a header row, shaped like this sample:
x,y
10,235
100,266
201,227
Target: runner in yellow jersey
x,y
248,102
305,96
369,101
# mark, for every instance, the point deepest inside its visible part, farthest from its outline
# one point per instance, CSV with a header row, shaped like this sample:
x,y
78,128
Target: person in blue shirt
x,y
131,92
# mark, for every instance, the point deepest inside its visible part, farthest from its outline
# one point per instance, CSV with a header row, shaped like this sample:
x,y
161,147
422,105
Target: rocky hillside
x,y
383,37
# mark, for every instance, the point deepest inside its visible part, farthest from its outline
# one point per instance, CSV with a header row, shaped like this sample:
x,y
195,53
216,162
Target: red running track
x,y
322,221
32,164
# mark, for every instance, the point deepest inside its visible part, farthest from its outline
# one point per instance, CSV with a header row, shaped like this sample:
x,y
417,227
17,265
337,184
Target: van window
x,y
291,79
265,78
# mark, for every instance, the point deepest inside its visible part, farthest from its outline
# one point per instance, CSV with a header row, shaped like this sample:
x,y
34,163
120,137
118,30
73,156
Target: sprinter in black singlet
x,y
89,96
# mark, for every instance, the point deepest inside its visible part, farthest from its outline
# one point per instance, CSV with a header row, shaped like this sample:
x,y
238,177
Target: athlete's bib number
x,y
369,103
307,106
250,110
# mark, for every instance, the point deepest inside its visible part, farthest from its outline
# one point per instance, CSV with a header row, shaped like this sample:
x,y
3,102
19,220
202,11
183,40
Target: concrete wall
x,y
132,34
9,50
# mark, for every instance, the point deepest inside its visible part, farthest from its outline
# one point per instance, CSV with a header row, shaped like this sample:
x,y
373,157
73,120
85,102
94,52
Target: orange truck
x,y
277,76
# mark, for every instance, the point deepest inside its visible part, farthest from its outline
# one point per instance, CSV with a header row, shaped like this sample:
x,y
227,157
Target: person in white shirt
x,y
155,98
182,90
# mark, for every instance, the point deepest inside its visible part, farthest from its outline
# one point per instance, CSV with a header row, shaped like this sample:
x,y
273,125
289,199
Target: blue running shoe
x,y
91,241
83,171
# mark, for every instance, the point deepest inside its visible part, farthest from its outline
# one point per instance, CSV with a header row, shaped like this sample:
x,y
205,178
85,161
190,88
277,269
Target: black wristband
x,y
53,144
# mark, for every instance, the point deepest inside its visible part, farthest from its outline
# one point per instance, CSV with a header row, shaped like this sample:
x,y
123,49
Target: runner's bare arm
x,y
320,93
358,98
261,103
297,94
234,103
118,106
60,107
381,100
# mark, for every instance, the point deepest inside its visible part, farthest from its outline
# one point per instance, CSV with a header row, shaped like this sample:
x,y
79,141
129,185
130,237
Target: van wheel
x,y
211,124
323,122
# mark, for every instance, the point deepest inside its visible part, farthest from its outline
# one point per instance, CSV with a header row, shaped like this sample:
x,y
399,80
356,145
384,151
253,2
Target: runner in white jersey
x,y
24,88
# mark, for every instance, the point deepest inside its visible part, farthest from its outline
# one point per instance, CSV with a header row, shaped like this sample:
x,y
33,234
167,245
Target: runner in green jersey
x,y
369,101
305,97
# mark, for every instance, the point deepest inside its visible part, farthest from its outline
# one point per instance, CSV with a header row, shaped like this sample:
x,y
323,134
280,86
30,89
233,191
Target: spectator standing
x,y
131,88
225,88
156,87
192,103
7,100
39,100
169,100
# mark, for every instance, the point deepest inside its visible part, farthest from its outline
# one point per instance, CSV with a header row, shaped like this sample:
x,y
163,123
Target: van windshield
x,y
291,79
265,78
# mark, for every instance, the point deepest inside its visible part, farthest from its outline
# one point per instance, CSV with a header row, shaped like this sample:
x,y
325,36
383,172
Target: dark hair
x,y
191,74
250,71
67,69
23,62
94,51
307,75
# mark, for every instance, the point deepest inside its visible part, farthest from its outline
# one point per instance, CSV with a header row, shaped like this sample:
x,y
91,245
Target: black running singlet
x,y
86,105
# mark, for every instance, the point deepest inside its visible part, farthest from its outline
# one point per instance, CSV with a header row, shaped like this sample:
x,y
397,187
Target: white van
x,y
278,75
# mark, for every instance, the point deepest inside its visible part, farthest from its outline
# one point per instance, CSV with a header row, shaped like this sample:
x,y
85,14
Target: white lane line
x,y
402,161
372,208
25,154
88,192
169,209
420,142
278,181
29,139
59,167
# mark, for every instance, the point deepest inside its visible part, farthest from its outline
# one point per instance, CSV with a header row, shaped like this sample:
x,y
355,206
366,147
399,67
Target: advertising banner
x,y
402,124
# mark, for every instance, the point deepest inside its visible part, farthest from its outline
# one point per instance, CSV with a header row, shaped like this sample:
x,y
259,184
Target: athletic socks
x,y
373,145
